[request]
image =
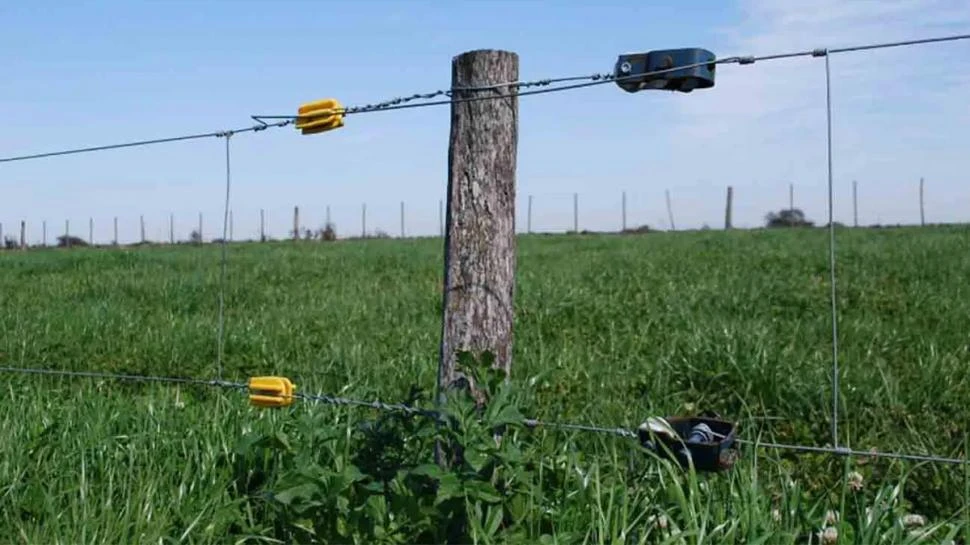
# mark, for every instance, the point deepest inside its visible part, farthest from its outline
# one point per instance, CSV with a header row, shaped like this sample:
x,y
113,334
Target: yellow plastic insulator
x,y
319,116
270,391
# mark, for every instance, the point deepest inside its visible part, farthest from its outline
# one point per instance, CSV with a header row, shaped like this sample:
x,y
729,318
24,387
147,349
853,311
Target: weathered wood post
x,y
727,209
479,261
23,235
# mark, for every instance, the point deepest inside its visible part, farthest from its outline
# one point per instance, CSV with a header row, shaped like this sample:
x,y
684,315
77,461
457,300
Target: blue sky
x,y
89,73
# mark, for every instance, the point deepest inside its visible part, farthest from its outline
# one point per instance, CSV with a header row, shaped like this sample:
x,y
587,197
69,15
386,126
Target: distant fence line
x,y
567,208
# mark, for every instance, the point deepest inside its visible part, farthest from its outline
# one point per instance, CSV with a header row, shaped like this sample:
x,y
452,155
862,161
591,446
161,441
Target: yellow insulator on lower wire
x,y
270,391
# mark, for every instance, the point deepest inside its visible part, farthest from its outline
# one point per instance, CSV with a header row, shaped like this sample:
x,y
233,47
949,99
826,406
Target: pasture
x,y
609,330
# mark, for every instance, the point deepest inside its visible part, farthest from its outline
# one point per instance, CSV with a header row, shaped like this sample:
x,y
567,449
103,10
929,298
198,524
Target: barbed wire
x,y
545,87
408,101
435,414
135,143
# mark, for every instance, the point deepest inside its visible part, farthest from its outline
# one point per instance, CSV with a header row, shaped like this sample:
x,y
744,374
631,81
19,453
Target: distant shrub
x,y
637,230
793,217
328,233
70,241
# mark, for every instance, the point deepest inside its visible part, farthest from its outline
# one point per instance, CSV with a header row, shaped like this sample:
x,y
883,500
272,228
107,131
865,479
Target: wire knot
x,y
820,52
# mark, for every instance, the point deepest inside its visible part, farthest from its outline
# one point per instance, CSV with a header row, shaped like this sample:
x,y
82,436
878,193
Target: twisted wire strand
x,y
417,411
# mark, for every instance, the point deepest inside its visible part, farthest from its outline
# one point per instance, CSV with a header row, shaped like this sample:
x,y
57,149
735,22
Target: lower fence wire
x,y
529,423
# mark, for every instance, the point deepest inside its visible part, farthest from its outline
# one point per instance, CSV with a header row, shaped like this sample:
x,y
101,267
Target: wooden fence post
x,y
44,232
23,235
363,220
296,223
670,211
528,220
262,225
727,209
402,219
855,204
623,223
91,231
116,231
922,215
67,233
171,228
479,264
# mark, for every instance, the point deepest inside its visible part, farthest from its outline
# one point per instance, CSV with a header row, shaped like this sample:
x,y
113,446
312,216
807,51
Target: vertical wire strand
x,y
832,261
221,340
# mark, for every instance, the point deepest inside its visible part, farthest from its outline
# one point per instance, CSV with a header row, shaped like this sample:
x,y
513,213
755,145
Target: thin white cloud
x,y
898,112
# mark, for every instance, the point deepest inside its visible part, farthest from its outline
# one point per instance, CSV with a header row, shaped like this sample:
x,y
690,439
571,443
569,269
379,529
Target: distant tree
x,y
195,237
793,217
67,241
328,233
10,243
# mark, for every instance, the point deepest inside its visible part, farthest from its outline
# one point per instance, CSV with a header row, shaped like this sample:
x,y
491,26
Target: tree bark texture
x,y
480,222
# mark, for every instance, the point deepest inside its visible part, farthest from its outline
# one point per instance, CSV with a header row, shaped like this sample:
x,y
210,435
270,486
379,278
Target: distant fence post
x,y
855,204
576,213
230,226
328,216
262,225
91,231
171,228
727,209
670,211
23,235
296,223
201,238
529,217
402,219
116,231
44,231
479,260
363,220
141,221
922,216
623,222
67,233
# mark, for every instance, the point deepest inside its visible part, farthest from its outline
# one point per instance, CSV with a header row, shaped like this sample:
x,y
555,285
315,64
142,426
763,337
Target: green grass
x,y
609,330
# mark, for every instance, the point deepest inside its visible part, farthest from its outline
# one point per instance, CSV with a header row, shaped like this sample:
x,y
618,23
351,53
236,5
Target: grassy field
x,y
609,330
